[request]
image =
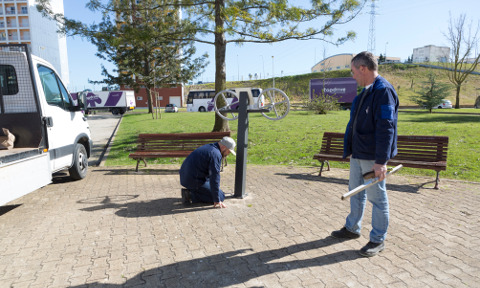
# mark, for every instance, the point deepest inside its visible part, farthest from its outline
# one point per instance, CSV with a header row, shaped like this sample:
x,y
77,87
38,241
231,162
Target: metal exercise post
x,y
272,109
242,145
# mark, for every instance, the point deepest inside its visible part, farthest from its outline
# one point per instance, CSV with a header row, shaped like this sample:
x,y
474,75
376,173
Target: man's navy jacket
x,y
375,134
202,164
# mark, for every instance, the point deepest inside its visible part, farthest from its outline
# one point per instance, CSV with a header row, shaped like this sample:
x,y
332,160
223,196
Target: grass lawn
x,y
294,139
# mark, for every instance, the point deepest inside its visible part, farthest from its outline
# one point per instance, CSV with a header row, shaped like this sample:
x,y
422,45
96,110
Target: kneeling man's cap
x,y
229,143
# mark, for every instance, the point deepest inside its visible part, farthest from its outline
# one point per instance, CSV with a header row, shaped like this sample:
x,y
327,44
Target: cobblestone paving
x,y
118,228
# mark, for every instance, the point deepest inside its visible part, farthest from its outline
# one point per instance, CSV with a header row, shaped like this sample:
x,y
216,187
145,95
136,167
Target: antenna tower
x,y
371,32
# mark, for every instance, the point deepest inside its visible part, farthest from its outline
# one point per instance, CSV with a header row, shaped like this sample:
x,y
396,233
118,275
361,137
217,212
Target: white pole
x,y
273,71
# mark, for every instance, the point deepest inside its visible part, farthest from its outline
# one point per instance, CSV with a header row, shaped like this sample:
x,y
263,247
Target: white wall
x,y
46,42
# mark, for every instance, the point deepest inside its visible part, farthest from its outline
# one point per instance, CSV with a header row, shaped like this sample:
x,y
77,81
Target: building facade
x,y
21,23
431,53
342,61
335,62
162,97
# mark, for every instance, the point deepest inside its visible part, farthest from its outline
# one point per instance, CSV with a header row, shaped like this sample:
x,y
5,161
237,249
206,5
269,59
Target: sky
x,y
400,26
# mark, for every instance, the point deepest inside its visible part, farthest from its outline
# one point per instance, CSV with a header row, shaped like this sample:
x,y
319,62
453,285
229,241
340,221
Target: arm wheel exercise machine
x,y
272,103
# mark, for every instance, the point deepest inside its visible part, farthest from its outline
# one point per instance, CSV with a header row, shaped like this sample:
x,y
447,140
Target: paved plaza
x,y
119,228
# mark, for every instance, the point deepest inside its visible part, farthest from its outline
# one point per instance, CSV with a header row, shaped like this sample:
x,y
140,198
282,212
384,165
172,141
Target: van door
x,y
61,134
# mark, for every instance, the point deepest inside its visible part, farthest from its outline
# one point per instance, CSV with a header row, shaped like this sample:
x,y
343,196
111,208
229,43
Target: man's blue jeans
x,y
376,194
203,194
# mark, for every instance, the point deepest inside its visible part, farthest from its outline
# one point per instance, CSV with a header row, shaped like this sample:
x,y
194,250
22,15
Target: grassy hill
x,y
407,79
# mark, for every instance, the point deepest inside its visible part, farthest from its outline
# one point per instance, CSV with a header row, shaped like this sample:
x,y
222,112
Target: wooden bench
x,y
172,144
414,151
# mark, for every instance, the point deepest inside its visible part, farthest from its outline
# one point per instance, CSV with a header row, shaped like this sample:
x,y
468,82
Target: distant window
x,y
140,98
8,80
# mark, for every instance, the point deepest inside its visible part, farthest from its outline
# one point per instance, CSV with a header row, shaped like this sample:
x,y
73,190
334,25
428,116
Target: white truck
x,y
51,132
117,102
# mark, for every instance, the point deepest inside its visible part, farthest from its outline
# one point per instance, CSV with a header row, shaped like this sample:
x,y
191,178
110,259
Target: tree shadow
x,y
234,268
144,171
157,207
447,118
408,188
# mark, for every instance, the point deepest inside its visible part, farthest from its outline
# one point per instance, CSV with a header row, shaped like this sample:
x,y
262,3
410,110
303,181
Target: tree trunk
x,y
457,99
220,70
149,100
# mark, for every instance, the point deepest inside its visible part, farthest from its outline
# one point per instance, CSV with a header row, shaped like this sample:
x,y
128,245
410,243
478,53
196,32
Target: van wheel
x,y
80,163
115,111
202,109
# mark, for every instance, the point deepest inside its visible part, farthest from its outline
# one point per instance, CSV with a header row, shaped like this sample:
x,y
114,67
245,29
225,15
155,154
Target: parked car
x,y
445,104
477,103
171,108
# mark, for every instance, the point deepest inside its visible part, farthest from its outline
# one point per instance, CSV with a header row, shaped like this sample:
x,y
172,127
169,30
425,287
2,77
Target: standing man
x,y
200,173
370,141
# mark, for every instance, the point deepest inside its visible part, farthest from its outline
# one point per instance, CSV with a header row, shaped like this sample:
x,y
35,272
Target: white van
x,y
49,129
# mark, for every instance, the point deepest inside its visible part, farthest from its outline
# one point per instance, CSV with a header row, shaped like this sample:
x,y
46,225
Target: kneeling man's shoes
x,y
186,197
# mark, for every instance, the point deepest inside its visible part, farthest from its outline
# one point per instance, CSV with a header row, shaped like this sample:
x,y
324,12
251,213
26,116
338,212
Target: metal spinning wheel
x,y
227,108
276,102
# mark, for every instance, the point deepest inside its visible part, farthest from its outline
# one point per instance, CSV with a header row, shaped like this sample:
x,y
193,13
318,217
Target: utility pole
x,y
273,71
371,32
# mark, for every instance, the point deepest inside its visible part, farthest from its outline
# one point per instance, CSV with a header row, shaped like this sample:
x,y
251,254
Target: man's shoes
x,y
186,197
372,249
345,234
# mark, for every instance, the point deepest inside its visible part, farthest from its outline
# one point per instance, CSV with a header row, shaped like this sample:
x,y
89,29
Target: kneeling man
x,y
200,173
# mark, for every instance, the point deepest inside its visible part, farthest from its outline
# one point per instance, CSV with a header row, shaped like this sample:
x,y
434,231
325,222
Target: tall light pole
x,y
263,62
386,52
273,71
238,69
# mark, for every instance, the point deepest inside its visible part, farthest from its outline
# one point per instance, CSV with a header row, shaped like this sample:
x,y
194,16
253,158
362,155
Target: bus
x,y
202,100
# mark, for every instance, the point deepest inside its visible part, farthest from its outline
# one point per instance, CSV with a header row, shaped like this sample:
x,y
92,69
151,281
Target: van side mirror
x,y
82,100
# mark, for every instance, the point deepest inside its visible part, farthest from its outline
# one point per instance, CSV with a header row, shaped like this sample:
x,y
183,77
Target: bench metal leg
x,y
321,167
224,163
437,180
138,162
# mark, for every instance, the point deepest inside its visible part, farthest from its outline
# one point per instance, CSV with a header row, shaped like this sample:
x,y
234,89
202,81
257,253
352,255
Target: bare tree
x,y
463,40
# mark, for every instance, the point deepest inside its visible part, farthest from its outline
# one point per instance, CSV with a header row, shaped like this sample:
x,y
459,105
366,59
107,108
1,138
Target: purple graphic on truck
x,y
94,99
344,89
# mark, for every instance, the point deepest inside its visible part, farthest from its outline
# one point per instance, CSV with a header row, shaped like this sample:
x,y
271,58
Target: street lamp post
x,y
386,52
273,71
263,62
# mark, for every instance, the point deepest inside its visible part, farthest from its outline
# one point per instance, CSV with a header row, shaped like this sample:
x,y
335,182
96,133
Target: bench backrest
x,y
177,141
422,148
410,147
332,143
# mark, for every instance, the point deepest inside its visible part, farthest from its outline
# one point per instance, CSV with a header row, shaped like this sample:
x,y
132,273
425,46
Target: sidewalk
x,y
118,228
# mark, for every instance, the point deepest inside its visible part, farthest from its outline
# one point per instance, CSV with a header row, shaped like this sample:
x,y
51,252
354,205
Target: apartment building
x,y
20,22
431,53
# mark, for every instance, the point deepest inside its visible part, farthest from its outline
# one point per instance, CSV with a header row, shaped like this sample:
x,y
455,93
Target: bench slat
x,y
172,145
414,151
